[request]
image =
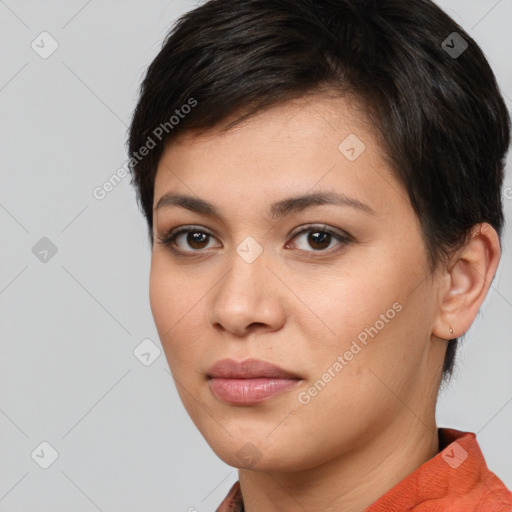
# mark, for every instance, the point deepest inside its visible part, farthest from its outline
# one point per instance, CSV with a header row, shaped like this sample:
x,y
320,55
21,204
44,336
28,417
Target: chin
x,y
257,453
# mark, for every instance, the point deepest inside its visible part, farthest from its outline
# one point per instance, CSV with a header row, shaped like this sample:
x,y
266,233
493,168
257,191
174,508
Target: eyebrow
x,y
277,210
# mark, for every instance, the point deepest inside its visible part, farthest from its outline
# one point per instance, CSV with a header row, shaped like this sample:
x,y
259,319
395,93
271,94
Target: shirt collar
x,y
456,477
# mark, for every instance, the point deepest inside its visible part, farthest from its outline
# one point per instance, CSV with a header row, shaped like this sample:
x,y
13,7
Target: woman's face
x,y
337,294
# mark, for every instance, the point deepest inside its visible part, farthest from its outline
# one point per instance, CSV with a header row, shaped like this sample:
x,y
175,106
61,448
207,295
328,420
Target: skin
x,y
300,306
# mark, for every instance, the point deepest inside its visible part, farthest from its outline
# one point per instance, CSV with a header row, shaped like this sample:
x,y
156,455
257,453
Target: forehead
x,y
303,118
297,146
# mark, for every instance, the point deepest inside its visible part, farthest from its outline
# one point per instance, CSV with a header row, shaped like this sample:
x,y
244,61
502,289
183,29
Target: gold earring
x,y
451,330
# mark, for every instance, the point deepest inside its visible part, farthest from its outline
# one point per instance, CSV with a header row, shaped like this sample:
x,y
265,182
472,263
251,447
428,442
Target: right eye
x,y
194,236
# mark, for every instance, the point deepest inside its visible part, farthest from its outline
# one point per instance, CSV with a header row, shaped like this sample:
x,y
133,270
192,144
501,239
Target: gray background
x,y
70,324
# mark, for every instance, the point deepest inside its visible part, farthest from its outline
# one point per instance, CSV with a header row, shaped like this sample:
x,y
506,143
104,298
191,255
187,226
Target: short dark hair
x,y
424,82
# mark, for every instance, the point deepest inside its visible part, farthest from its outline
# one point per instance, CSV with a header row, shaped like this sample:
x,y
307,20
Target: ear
x,y
466,282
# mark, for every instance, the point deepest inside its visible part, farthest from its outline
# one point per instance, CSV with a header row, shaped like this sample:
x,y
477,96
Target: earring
x,y
451,330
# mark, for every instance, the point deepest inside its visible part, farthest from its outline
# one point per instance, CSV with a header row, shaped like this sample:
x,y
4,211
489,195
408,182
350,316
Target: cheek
x,y
172,293
171,306
343,302
175,306
369,318
162,297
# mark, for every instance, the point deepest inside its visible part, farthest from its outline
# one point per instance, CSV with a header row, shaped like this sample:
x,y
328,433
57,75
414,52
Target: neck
x,y
349,482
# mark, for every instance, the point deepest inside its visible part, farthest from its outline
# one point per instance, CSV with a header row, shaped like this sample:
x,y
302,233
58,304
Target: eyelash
x,y
169,238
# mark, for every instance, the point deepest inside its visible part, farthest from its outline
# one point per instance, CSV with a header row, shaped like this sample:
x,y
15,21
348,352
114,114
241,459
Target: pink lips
x,y
248,382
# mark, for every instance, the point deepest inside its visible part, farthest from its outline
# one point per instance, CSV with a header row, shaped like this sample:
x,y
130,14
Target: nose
x,y
248,298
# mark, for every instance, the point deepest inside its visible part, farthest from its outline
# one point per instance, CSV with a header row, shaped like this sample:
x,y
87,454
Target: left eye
x,y
319,238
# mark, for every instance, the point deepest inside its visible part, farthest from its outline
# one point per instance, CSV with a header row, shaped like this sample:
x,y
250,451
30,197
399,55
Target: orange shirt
x,y
455,480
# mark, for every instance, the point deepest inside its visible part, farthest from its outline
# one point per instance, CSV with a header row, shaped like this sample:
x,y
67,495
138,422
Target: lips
x,y
248,369
249,382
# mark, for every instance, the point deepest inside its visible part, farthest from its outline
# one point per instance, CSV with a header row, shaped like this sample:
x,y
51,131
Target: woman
x,y
321,182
